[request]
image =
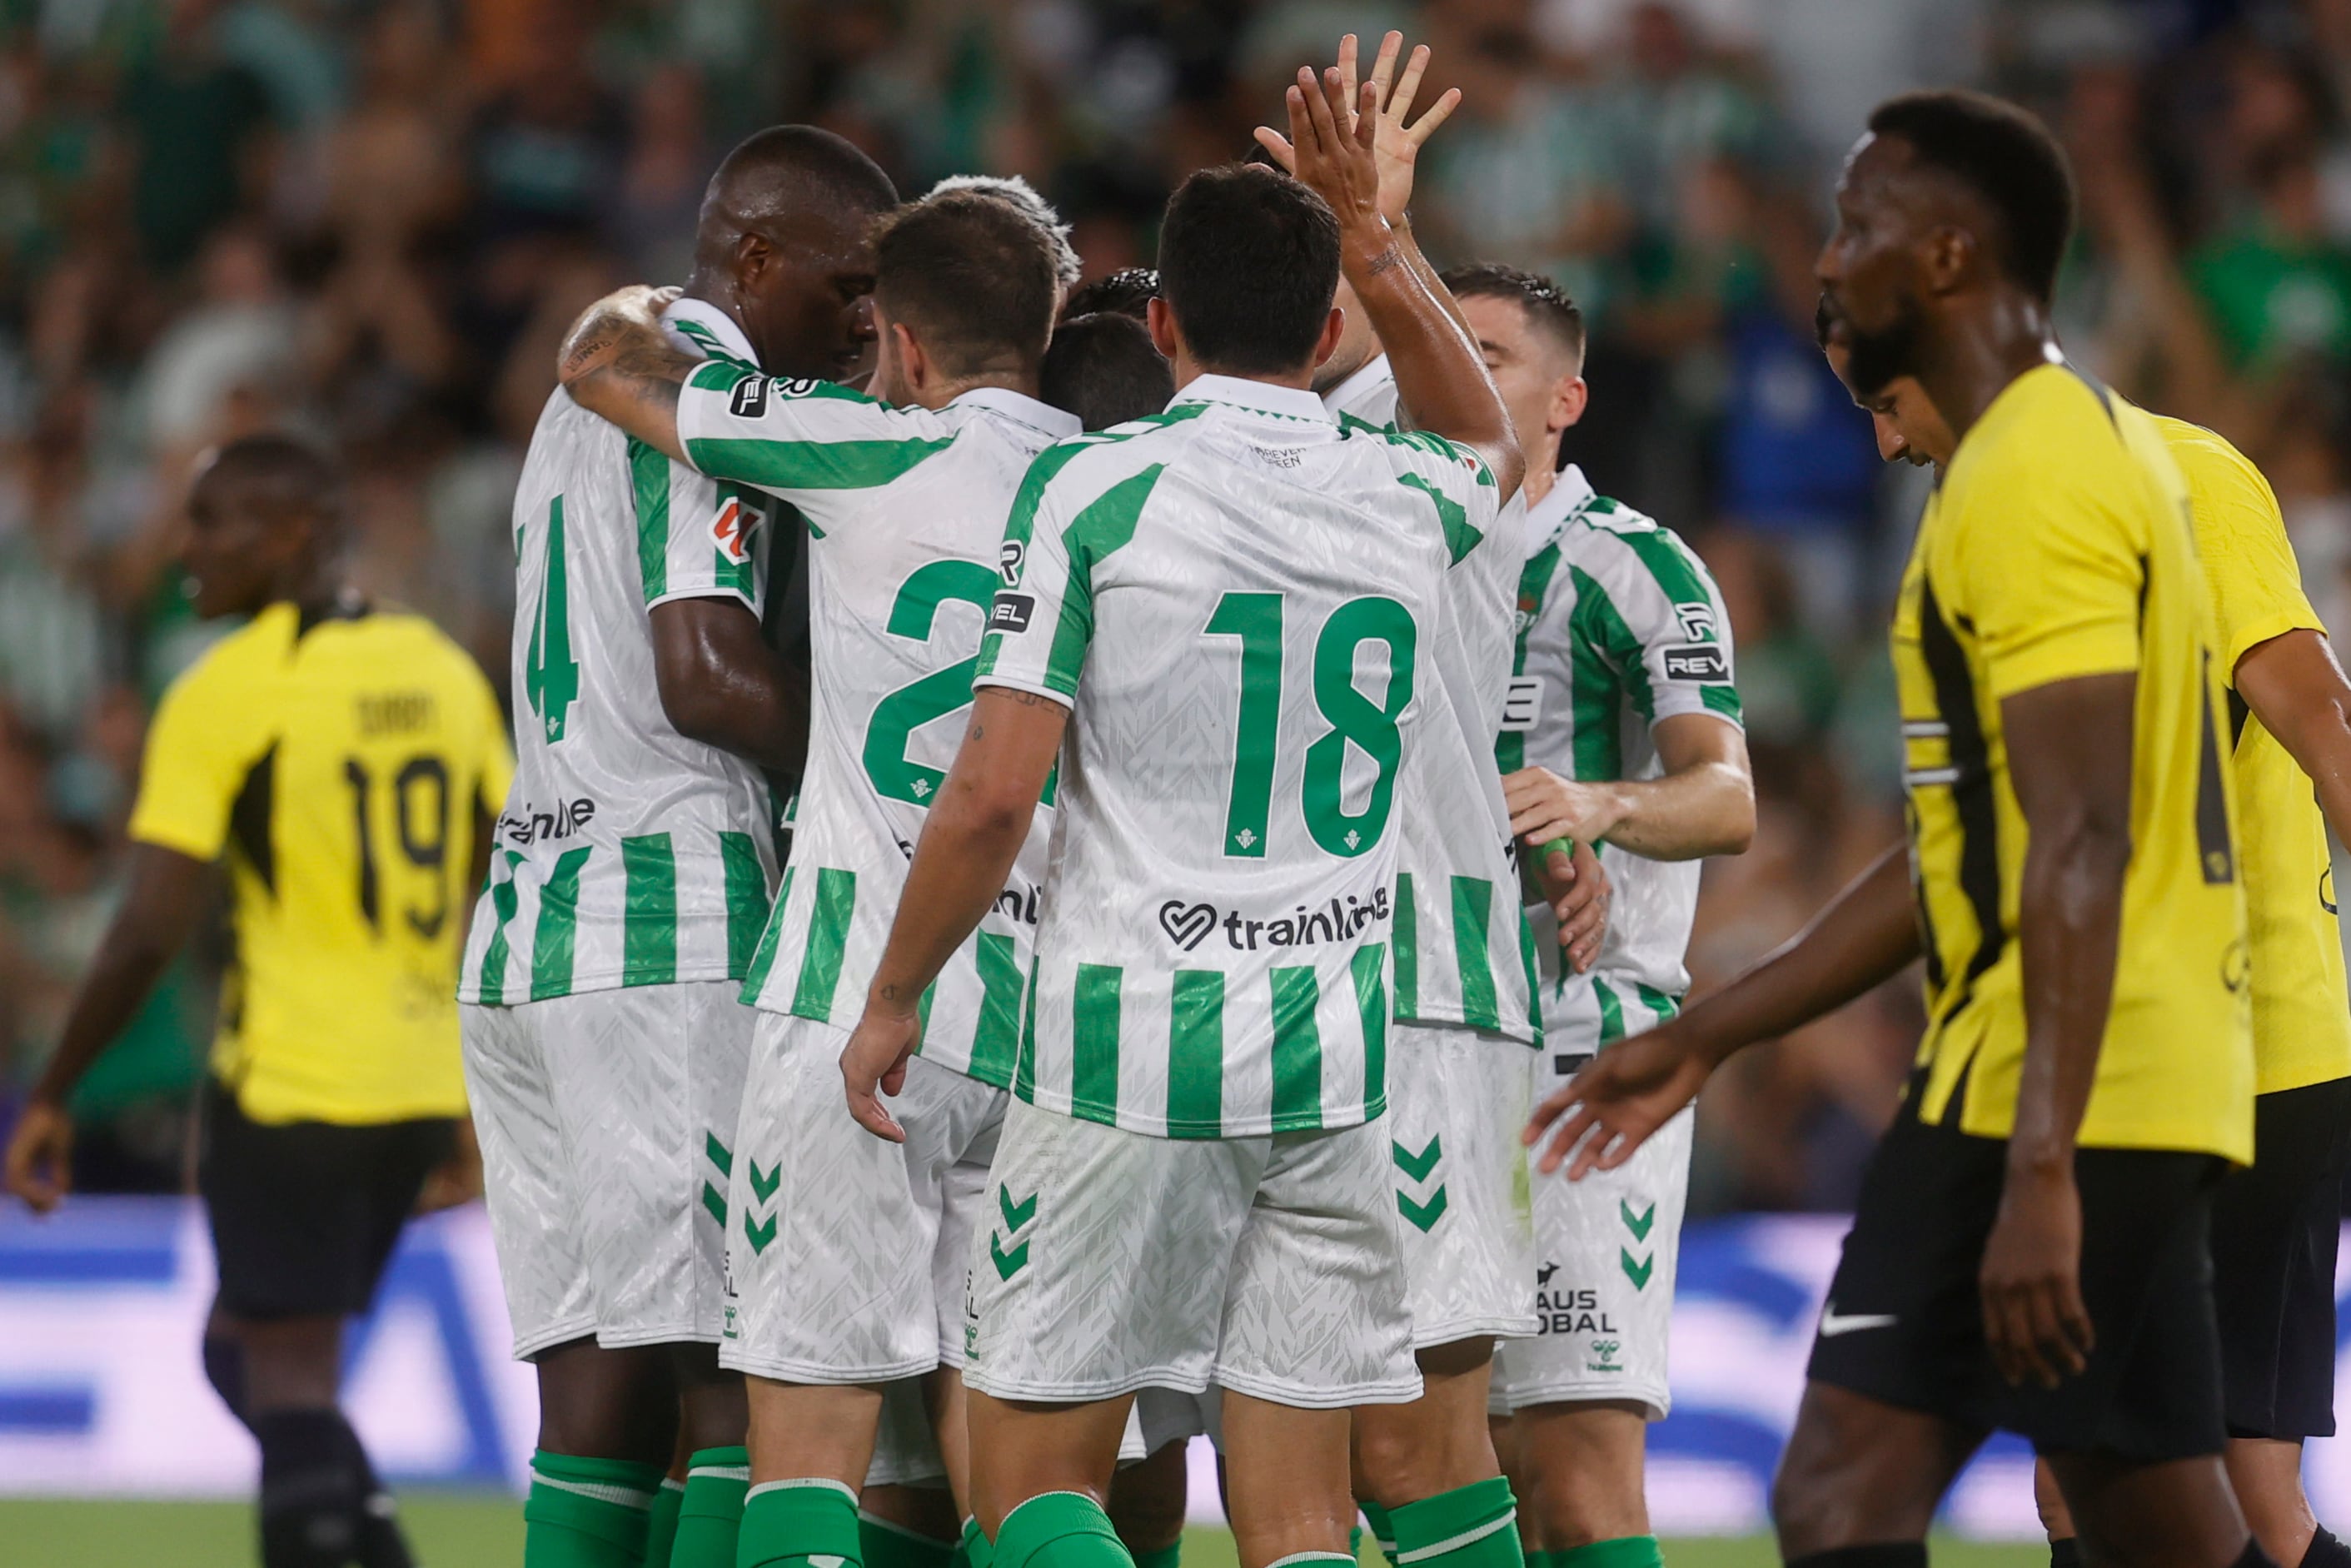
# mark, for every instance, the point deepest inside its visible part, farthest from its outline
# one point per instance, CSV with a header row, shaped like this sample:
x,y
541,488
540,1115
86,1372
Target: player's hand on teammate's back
x,y
40,1155
1544,805
1395,145
874,1063
2035,1323
1618,1101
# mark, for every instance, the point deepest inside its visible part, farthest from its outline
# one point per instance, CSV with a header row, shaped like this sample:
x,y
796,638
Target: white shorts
x,y
1112,1261
907,1449
847,1263
605,1122
1606,1252
1457,1100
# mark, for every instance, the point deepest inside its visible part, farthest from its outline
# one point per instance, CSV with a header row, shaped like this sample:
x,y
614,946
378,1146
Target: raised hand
x,y
1395,144
1331,151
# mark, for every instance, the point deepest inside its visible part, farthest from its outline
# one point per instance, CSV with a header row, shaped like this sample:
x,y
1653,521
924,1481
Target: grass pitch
x,y
472,1531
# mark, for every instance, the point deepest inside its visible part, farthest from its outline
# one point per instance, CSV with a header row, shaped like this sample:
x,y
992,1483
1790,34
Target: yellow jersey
x,y
2057,546
2302,1011
338,766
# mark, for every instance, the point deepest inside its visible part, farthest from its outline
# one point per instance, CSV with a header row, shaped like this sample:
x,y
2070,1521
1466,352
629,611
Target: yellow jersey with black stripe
x,y
2058,546
2302,1013
338,767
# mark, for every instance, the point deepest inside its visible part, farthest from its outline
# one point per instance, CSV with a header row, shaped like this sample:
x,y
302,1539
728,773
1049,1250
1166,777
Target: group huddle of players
x,y
1244,801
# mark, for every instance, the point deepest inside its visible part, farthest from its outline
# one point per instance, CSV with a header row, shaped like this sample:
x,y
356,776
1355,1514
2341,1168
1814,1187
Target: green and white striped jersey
x,y
1619,626
1235,599
905,511
627,854
1465,955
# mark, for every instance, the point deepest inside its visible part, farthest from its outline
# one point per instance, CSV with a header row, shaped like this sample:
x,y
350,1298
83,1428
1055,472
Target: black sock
x,y
2253,1556
2064,1552
2325,1552
224,1369
1880,1555
381,1542
314,1479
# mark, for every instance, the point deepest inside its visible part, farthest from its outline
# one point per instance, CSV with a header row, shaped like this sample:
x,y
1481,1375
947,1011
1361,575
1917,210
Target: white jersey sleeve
x,y
803,440
696,537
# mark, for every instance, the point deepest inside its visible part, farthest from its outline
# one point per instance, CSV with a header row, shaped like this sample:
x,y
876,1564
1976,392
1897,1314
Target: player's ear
x,y
1334,327
753,256
913,364
1162,322
1948,256
1569,396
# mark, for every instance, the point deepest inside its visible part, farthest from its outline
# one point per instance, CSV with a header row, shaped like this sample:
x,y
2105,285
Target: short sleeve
x,y
2248,564
200,746
2051,585
1676,616
1458,484
1042,622
698,537
798,439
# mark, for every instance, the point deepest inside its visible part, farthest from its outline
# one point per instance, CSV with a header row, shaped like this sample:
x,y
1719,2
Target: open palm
x,y
1395,145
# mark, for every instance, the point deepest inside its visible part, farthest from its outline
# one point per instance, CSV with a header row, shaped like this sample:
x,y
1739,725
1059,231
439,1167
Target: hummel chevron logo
x,y
718,1154
759,1232
1008,1263
716,1204
1423,1215
1417,1167
1833,1324
1637,1224
763,1187
1636,1272
1016,1215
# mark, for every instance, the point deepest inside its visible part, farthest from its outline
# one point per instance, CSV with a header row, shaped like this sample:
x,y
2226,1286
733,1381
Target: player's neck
x,y
1974,355
938,394
1542,475
1189,369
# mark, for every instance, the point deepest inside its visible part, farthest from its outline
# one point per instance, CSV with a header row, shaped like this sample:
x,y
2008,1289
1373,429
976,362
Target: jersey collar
x,y
698,326
1019,407
1260,397
1344,397
1570,494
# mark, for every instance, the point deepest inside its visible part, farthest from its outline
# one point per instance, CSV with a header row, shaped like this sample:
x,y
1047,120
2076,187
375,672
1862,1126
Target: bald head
x,y
775,180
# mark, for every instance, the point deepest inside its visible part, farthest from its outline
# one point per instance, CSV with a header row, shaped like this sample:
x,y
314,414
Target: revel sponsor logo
x,y
1698,621
1188,924
530,826
1010,557
750,398
1011,613
1697,662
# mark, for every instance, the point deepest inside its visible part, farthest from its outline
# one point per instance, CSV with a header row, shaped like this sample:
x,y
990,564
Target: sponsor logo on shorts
x,y
1188,924
1636,1269
1011,613
1834,1323
1697,662
750,398
530,825
1011,1260
1568,1310
1603,1356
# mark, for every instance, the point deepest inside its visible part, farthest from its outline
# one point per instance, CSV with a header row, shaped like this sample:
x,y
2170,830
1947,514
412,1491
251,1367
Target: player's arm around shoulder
x,y
615,364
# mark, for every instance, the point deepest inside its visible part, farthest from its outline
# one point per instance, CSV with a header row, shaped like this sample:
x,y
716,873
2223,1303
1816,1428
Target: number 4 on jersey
x,y
552,677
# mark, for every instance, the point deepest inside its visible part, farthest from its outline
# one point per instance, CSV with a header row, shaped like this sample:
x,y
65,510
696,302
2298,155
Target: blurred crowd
x,y
371,219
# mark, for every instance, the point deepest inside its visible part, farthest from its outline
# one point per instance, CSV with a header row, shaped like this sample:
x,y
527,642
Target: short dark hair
x,y
297,474
1102,368
1547,305
974,276
1129,291
2006,156
774,175
1248,259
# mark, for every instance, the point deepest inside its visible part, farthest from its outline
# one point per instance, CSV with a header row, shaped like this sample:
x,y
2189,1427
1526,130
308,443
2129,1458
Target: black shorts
x,y
2274,1231
1904,1322
303,1215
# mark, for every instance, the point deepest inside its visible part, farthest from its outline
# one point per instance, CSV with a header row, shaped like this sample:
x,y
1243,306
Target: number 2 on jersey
x,y
935,696
1256,619
550,676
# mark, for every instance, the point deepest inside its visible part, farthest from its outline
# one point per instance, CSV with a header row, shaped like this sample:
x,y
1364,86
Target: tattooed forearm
x,y
1391,258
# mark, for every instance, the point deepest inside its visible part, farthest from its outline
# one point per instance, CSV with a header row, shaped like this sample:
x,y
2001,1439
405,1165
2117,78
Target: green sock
x,y
791,1521
1059,1530
975,1550
889,1545
1469,1527
661,1523
1383,1529
1624,1551
711,1509
587,1513
1167,1556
